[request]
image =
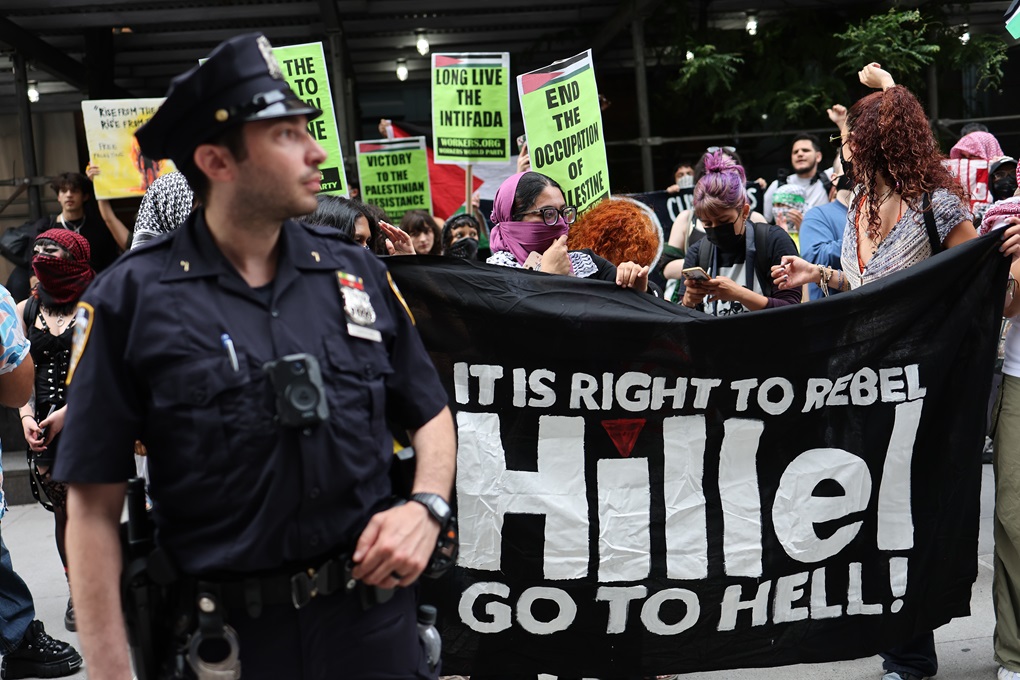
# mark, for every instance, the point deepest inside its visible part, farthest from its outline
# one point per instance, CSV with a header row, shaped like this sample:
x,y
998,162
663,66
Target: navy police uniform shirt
x,y
232,490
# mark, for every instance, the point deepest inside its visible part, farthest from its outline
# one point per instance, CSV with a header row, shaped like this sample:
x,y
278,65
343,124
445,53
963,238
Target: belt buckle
x,y
303,587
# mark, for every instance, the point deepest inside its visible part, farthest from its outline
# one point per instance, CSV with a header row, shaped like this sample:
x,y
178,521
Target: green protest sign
x,y
394,175
563,121
471,107
304,69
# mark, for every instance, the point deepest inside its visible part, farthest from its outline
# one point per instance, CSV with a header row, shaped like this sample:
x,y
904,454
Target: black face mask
x,y
1003,188
723,236
844,183
465,248
848,168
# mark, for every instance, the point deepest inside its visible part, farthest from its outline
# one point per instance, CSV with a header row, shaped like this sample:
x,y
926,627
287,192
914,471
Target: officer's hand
x,y
396,546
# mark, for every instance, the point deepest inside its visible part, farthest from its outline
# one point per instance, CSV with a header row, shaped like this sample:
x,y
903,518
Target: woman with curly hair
x,y
905,208
889,152
620,230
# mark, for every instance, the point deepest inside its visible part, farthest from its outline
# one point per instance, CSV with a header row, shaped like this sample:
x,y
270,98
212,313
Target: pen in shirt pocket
x,y
228,345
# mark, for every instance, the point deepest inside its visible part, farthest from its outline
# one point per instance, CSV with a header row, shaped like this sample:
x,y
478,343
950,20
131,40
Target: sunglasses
x,y
724,149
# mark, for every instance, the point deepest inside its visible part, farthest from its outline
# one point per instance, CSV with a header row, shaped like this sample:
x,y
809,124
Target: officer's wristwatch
x,y
436,505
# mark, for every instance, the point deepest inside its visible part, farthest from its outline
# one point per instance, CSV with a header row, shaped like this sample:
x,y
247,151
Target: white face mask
x,y
685,182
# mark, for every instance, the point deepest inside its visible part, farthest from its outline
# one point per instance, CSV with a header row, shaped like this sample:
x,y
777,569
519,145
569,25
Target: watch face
x,y
438,507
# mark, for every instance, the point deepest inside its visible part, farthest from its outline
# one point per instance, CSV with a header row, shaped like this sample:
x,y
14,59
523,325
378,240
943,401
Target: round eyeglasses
x,y
551,215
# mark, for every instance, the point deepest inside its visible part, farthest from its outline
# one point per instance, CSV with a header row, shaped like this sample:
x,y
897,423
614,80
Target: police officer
x,y
267,468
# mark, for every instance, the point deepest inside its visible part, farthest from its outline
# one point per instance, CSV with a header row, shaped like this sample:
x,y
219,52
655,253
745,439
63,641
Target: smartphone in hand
x,y
696,273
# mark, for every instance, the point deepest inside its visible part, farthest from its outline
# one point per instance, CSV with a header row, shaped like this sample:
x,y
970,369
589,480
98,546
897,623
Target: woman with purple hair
x,y
532,220
736,255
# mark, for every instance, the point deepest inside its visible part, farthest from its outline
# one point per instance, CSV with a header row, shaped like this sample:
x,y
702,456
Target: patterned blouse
x,y
907,242
580,262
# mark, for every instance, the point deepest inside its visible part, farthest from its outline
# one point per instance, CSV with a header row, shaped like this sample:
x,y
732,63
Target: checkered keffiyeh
x,y
165,206
63,280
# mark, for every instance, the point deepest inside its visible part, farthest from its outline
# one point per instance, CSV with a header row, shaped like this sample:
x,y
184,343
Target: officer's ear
x,y
215,161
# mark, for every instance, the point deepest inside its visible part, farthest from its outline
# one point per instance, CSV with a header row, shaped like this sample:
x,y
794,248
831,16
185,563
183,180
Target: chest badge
x,y
358,308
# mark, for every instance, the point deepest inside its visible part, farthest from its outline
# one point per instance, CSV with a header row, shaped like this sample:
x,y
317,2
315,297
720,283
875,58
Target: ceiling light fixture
x,y
752,23
965,36
401,69
33,92
421,42
690,55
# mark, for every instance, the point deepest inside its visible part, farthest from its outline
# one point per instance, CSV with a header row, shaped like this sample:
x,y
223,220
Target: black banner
x,y
644,489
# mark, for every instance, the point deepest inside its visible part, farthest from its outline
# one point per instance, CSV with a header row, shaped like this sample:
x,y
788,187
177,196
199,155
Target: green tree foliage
x,y
901,41
803,61
985,53
708,70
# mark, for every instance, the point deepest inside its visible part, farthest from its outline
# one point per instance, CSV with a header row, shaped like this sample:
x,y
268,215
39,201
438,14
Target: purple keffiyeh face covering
x,y
519,238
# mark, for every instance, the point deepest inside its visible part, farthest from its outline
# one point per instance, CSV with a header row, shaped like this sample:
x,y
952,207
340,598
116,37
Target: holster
x,y
147,582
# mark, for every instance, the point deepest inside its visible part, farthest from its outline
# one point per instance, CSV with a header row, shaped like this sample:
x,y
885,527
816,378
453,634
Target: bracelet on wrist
x,y
28,415
824,276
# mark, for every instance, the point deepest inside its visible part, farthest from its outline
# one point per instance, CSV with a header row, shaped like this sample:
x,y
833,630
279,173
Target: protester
x,y
686,229
347,216
683,178
805,159
374,212
1002,182
460,237
188,341
736,253
619,229
977,146
889,152
821,233
425,234
788,208
532,221
166,204
1005,430
74,191
28,651
61,265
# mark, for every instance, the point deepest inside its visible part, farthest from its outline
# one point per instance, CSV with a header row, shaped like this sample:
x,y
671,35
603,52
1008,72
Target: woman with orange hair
x,y
620,230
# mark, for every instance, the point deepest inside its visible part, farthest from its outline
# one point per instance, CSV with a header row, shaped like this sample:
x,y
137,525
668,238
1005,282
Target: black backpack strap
x,y
929,224
761,262
705,255
31,311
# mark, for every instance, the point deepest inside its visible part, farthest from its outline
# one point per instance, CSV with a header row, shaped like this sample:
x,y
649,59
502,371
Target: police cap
x,y
241,81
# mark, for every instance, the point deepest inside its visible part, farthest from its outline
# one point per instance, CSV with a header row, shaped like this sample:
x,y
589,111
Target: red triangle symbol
x,y
624,433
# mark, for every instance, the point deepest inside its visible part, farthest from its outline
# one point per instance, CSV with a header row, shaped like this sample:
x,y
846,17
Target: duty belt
x,y
332,577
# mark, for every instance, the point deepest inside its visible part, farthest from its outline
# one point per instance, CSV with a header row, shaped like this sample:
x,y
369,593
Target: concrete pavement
x,y
964,645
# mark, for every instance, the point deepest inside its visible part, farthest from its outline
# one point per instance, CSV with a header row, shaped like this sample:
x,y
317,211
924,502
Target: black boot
x,y
69,616
40,656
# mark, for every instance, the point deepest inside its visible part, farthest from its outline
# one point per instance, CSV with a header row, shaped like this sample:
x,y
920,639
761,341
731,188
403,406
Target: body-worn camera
x,y
300,395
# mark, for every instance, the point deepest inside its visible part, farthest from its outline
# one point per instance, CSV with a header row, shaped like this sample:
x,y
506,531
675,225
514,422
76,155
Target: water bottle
x,y
429,635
